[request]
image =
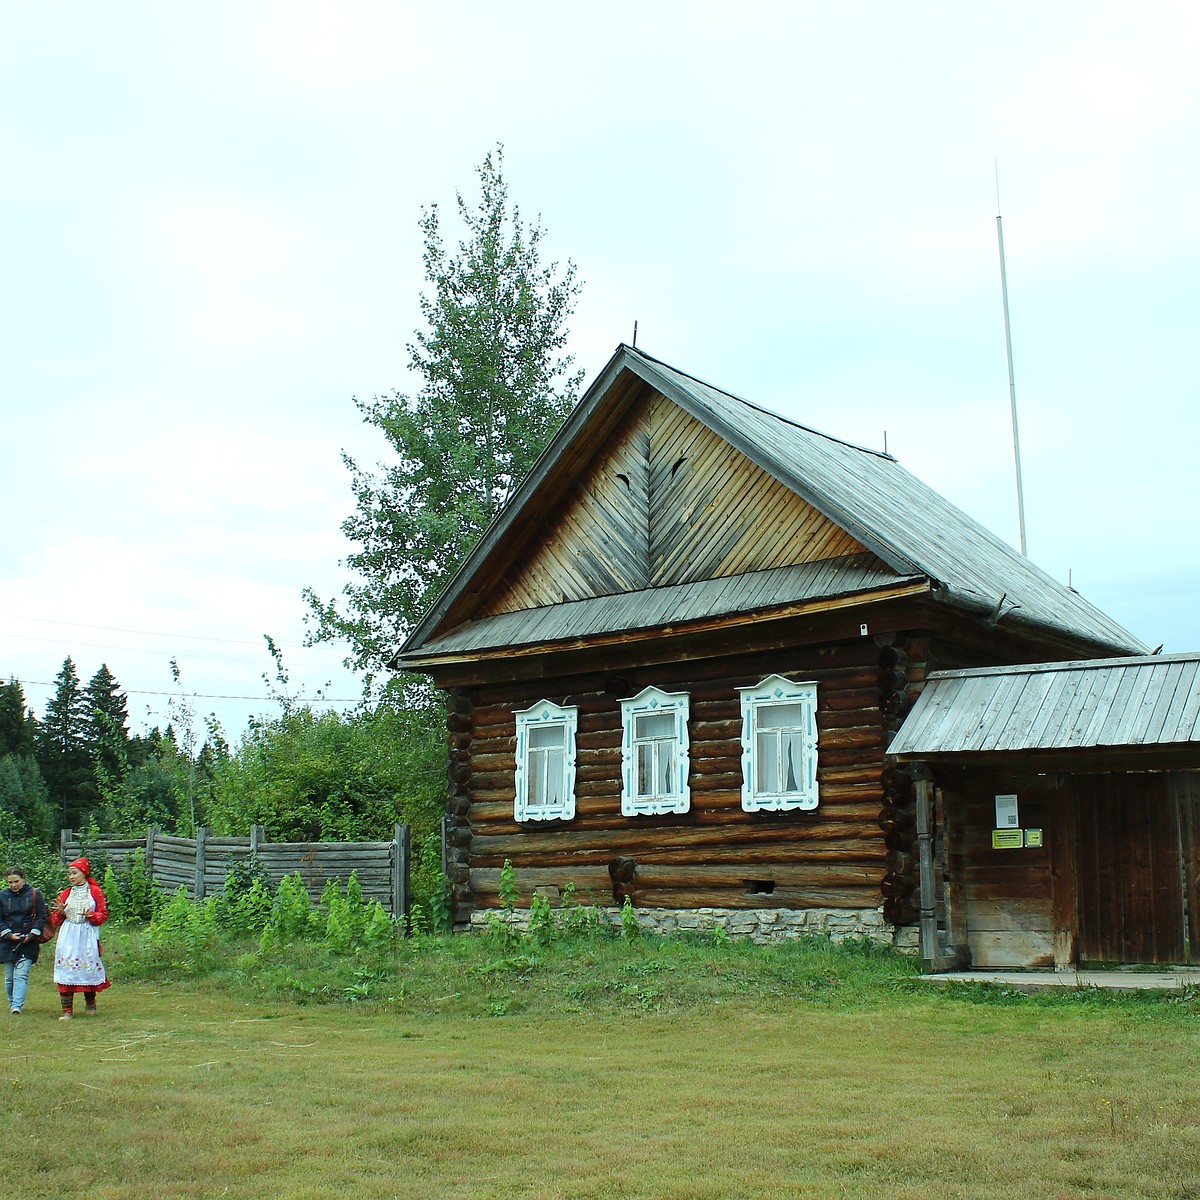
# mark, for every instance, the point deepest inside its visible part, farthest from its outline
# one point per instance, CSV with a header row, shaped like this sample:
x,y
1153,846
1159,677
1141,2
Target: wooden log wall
x,y
716,855
201,864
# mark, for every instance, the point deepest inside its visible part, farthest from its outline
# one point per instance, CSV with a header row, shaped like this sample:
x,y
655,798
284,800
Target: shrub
x,y
182,933
292,918
140,895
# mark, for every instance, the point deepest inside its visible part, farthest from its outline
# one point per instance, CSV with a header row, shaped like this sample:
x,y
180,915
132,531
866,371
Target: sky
x,y
211,246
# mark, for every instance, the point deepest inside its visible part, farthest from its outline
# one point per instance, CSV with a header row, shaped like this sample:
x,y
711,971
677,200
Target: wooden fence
x,y
200,864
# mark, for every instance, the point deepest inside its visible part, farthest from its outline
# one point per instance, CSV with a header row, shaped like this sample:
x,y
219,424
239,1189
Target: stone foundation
x,y
765,926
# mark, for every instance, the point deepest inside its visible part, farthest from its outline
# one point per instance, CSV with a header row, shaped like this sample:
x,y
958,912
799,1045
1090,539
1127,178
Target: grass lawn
x,y
698,1074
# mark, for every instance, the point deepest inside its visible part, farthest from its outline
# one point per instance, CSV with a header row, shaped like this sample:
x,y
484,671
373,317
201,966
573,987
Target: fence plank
x,y
201,864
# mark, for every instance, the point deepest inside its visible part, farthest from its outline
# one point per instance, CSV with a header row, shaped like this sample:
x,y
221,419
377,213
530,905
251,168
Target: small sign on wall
x,y
1033,838
1006,813
1008,839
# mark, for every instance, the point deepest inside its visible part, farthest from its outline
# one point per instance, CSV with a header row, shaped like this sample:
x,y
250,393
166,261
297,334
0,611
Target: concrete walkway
x,y
1168,979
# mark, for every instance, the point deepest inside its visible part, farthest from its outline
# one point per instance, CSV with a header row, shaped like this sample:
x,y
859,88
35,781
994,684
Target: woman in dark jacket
x,y
23,916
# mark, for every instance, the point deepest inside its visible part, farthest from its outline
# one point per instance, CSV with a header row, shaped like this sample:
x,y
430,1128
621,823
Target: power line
x,y
193,637
207,695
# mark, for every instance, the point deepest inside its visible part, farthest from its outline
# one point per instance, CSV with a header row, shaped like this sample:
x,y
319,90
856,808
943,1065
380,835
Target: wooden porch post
x,y
930,950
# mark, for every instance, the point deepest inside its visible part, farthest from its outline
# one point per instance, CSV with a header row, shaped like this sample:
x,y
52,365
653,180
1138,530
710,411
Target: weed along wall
x,y
200,864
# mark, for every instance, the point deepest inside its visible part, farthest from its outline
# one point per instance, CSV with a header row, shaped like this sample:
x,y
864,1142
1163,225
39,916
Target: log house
x,y
675,661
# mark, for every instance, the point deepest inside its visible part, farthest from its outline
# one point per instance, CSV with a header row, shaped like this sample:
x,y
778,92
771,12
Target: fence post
x,y
64,840
401,846
201,838
151,834
257,837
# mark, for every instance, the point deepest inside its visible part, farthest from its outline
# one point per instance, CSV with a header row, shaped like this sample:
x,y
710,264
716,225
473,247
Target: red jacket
x,y
97,916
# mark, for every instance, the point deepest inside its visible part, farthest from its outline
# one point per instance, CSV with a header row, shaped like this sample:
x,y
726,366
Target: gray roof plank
x,y
1103,703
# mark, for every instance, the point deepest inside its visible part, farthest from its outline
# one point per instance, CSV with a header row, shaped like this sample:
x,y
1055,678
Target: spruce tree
x,y
107,710
63,750
496,385
17,725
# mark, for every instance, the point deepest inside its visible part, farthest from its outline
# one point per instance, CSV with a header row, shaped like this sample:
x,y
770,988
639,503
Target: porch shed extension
x,y
1097,764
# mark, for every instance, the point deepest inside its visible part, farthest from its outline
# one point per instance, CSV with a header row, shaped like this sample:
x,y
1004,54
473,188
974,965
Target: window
x,y
779,746
546,762
654,754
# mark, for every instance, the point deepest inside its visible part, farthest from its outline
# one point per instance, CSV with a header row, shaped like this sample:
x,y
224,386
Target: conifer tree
x,y
16,721
63,752
107,713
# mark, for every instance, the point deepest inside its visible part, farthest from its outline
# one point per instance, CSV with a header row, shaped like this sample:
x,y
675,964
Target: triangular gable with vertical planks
x,y
666,501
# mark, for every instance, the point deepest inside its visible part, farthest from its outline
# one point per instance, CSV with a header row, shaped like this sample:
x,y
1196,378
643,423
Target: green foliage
x,y
245,902
183,935
630,929
63,752
577,920
496,384
107,716
17,725
510,894
242,874
542,926
25,808
342,928
308,777
140,894
292,917
380,932
111,886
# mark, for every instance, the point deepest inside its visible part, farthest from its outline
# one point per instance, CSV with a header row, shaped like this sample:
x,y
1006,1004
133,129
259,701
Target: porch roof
x,y
1147,701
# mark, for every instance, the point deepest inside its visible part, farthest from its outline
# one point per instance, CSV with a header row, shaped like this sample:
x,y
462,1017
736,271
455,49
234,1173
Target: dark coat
x,y
21,912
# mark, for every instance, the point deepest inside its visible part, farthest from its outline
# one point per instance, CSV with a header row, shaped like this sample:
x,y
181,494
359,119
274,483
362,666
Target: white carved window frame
x,y
545,780
779,727
654,747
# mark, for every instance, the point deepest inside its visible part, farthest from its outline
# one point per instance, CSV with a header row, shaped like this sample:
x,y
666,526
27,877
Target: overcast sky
x,y
210,245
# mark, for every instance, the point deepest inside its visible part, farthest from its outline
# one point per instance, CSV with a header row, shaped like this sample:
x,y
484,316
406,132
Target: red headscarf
x,y
82,864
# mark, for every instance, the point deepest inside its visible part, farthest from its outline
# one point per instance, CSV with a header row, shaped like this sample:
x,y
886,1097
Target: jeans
x,y
16,982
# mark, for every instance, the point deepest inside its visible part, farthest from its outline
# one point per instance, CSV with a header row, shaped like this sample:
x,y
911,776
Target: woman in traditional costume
x,y
78,913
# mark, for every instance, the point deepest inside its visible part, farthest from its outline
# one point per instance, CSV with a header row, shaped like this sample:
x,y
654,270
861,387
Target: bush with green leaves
x,y
140,895
343,920
183,934
292,917
244,914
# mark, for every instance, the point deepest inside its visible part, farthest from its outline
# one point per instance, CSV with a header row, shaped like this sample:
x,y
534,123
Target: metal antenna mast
x,y
1012,387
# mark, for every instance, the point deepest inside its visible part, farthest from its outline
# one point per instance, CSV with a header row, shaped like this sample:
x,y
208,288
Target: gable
x,y
668,501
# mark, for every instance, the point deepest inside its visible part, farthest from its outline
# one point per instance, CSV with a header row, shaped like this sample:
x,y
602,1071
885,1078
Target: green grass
x,y
663,1071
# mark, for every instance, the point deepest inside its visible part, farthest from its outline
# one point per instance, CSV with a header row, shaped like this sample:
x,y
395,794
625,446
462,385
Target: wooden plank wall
x,y
1130,882
668,502
1006,893
1185,791
715,855
201,865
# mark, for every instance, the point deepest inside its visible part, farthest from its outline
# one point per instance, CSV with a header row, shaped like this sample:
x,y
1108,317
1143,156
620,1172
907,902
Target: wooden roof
x,y
874,524
655,608
1148,701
